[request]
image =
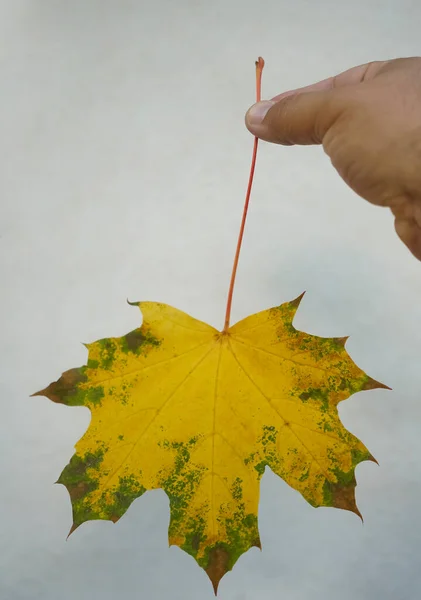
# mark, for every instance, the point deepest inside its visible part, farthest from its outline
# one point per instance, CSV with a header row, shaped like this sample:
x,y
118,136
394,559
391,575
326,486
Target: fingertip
x,y
255,115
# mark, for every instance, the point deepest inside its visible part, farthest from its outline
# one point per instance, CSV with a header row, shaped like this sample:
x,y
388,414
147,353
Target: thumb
x,y
298,118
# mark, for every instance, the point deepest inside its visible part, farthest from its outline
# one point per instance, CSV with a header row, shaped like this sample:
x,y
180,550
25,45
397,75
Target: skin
x,y
368,120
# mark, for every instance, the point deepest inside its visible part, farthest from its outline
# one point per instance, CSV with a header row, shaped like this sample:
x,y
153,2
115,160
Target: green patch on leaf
x,y
180,485
305,475
79,478
242,533
92,363
107,350
114,503
90,396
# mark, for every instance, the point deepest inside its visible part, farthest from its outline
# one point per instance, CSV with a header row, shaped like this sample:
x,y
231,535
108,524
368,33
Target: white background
x,y
123,165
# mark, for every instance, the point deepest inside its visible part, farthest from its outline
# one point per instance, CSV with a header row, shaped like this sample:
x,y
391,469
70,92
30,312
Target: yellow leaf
x,y
200,413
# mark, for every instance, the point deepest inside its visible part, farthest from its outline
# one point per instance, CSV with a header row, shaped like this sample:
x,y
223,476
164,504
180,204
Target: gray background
x,y
124,162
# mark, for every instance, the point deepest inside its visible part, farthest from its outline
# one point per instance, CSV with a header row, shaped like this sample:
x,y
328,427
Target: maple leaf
x,y
199,413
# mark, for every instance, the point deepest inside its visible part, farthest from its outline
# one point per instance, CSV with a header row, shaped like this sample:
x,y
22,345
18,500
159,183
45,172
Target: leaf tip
x,y
342,495
296,301
354,509
72,529
217,566
372,384
342,340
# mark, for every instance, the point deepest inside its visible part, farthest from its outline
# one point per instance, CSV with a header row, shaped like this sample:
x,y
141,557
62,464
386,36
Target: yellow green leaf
x,y
200,413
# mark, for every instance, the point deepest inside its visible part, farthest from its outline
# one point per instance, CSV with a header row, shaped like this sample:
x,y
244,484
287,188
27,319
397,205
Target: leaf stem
x,y
260,63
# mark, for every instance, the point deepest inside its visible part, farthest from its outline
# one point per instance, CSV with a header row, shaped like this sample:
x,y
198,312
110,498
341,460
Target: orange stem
x,y
260,63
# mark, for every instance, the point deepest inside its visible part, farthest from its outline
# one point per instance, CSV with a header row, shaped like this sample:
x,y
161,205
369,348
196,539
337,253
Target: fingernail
x,y
257,113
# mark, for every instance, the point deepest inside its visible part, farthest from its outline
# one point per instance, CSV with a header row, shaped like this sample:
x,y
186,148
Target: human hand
x,y
368,120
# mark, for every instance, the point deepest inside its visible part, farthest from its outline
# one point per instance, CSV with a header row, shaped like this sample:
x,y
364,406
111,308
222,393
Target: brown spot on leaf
x,y
343,496
343,385
217,566
65,386
134,339
77,491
